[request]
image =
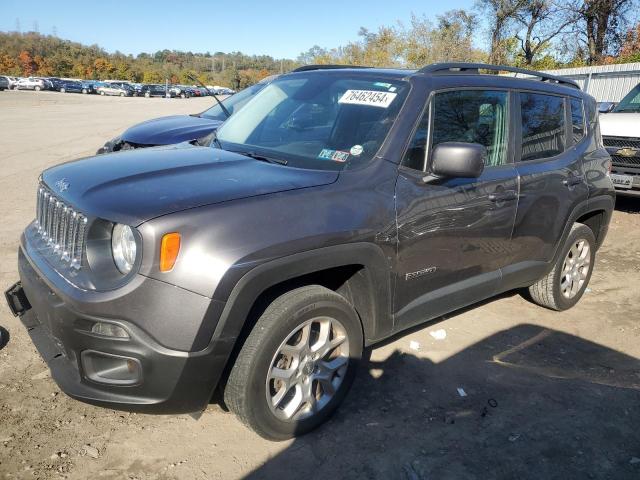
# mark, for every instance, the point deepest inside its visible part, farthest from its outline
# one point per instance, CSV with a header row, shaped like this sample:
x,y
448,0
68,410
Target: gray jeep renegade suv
x,y
337,208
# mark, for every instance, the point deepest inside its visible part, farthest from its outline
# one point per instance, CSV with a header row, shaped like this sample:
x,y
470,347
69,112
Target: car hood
x,y
620,124
169,130
134,186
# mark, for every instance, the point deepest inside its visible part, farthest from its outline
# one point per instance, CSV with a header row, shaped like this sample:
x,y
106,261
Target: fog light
x,y
109,330
112,369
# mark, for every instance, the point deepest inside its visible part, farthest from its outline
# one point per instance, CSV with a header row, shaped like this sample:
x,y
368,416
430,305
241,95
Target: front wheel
x,y
565,284
297,364
122,94
37,89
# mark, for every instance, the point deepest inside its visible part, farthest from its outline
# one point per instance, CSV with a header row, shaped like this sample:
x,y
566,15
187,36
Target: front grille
x,y
62,227
621,142
625,161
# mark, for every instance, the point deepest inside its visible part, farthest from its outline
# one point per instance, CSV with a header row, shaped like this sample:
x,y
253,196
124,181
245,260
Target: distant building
x,y
606,83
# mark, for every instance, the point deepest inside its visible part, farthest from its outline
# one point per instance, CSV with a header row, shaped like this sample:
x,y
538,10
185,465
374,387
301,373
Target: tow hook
x,y
17,300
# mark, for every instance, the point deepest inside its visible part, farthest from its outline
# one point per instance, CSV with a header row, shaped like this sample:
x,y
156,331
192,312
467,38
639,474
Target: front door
x,y
454,234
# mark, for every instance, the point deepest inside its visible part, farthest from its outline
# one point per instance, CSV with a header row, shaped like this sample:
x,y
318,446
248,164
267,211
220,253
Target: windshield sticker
x,y
382,84
356,150
368,97
335,155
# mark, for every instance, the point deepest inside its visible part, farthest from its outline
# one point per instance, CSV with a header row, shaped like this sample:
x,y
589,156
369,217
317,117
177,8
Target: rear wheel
x,y
565,284
297,364
37,89
62,90
102,93
147,94
84,90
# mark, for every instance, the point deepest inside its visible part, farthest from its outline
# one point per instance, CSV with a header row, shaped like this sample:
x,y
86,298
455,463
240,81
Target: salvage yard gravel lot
x,y
509,390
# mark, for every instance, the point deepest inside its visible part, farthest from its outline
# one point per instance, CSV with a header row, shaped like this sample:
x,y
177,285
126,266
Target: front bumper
x,y
170,381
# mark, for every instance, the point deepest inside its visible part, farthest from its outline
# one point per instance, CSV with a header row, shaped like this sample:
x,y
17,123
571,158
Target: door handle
x,y
573,180
503,196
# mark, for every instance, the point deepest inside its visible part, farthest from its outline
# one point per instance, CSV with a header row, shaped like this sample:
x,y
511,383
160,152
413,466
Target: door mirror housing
x,y
458,159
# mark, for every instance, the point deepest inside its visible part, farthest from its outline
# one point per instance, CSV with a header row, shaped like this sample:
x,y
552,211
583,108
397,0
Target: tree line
x,y
539,34
31,53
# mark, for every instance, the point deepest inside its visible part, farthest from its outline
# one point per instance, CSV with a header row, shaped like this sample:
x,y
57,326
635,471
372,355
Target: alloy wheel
x,y
575,268
307,369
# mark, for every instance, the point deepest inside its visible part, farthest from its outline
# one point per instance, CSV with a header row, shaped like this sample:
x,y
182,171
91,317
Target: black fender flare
x,y
604,203
257,280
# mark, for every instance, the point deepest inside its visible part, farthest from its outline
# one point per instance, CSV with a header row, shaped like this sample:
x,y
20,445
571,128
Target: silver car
x,y
115,89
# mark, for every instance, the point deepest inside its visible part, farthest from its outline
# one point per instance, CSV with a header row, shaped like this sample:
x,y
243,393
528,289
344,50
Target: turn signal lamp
x,y
169,249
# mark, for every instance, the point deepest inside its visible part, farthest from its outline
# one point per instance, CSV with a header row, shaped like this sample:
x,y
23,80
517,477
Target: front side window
x,y
473,116
577,120
543,126
470,116
327,120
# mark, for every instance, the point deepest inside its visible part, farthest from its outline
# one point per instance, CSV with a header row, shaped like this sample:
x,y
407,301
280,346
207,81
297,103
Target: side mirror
x,y
605,107
458,159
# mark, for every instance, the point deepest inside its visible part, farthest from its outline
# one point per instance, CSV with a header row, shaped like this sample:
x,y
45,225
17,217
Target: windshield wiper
x,y
224,109
262,158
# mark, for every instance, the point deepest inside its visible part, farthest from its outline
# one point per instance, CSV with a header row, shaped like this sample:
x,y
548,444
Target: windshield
x,y
328,120
232,103
630,103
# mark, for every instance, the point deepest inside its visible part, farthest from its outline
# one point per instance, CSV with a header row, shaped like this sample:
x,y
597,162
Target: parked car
x,y
115,89
621,136
343,206
72,86
180,128
154,90
88,87
179,91
4,83
31,83
12,82
54,83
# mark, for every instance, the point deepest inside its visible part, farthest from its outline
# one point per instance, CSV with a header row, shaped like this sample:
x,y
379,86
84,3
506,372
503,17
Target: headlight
x,y
123,247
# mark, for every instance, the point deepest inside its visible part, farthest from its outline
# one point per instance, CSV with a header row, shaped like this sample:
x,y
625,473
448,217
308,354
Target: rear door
x,y
552,182
454,234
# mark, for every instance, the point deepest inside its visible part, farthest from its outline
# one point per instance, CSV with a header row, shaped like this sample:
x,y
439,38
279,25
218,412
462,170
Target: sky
x,y
282,29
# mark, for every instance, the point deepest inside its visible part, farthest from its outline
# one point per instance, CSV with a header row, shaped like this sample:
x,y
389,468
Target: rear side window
x,y
473,116
543,126
577,120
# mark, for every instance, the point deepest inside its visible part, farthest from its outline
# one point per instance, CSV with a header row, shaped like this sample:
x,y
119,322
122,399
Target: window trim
x,y
584,122
518,121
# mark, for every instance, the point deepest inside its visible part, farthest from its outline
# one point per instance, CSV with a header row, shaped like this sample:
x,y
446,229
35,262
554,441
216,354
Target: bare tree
x,y
603,23
541,22
502,14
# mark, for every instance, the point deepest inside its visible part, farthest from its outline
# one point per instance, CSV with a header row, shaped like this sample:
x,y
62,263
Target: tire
x,y
37,89
286,319
122,94
62,90
147,94
182,95
84,91
102,93
559,290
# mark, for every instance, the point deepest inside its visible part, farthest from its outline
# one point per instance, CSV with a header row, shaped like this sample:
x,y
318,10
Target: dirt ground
x,y
513,391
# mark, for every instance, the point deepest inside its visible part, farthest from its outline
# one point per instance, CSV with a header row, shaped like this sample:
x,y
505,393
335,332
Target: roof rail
x,y
306,68
474,68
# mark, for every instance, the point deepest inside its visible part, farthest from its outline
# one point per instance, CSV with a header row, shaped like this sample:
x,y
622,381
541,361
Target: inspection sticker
x,y
368,97
335,155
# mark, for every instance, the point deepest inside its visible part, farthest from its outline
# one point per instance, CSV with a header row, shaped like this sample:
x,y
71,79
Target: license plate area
x,y
622,181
